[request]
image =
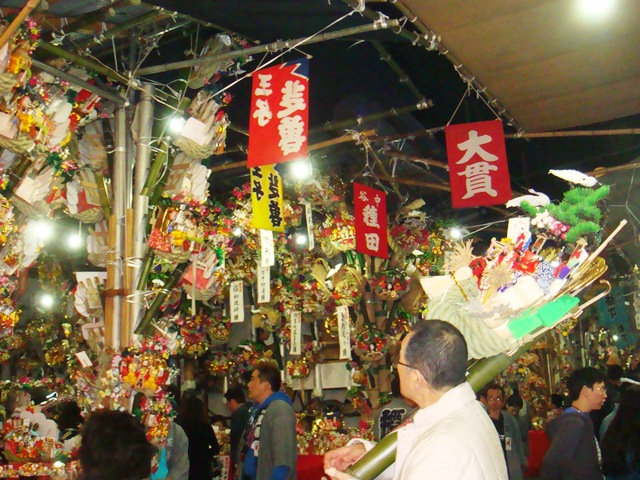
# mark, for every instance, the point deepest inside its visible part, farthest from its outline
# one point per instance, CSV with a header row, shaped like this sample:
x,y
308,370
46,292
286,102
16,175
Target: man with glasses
x,y
508,431
451,436
574,451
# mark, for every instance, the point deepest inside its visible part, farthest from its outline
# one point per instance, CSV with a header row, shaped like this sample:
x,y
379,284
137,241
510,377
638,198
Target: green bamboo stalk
x,y
146,320
144,270
158,161
83,62
157,192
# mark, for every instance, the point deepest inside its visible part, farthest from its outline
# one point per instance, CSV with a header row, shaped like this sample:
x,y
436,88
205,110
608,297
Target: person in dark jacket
x,y
269,449
203,445
573,452
240,409
621,442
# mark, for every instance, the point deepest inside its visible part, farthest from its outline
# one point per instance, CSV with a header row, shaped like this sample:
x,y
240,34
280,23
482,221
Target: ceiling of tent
x,y
464,60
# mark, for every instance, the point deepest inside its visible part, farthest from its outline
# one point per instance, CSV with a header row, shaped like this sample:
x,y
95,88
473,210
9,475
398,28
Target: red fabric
x,y
538,446
370,210
278,127
478,169
310,467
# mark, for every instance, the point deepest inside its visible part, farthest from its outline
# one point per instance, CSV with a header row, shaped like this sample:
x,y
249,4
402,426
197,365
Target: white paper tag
x,y
344,332
309,217
267,254
26,189
236,301
84,359
264,284
197,131
8,126
296,332
518,225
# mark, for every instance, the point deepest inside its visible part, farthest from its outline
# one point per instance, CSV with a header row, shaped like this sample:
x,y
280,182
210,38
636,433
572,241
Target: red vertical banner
x,y
370,211
478,168
279,123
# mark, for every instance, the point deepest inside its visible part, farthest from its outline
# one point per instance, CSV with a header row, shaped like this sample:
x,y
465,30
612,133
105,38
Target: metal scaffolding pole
x,y
140,202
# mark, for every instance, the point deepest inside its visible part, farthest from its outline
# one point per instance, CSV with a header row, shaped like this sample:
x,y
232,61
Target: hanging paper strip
x,y
279,114
236,301
478,169
266,199
370,210
267,254
264,284
309,218
296,332
344,332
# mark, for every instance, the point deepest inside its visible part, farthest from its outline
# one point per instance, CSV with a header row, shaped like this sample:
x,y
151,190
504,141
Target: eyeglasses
x,y
599,389
398,362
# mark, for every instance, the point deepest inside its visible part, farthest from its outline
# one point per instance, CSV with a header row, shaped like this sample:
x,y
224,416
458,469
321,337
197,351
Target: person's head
x,y
621,438
234,398
514,404
433,358
557,400
265,380
219,421
494,394
191,411
114,445
614,373
69,416
586,389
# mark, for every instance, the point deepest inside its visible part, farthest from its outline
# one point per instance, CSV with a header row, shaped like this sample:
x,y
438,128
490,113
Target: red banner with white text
x,y
478,168
278,127
370,210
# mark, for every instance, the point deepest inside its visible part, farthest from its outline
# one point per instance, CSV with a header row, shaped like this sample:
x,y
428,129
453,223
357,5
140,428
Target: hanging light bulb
x,y
300,169
176,124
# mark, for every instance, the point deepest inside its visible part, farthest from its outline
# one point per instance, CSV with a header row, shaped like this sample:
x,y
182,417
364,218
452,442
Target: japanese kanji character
x,y
275,215
292,99
264,87
370,216
291,131
473,146
373,241
257,189
478,179
262,112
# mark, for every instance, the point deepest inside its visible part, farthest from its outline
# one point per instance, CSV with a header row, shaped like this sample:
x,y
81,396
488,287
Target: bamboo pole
x,y
125,326
119,207
601,171
140,201
576,133
83,62
15,24
315,146
109,316
123,27
270,47
392,112
113,96
403,77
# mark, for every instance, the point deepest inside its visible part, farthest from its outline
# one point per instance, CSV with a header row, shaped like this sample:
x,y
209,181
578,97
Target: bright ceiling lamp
x,y
176,124
300,169
596,9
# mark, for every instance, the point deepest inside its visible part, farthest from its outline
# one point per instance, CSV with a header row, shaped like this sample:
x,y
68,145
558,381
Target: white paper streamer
x,y
344,332
296,332
236,301
267,254
311,238
264,284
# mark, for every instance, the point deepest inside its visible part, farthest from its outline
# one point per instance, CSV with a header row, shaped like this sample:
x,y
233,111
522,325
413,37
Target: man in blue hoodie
x,y
268,447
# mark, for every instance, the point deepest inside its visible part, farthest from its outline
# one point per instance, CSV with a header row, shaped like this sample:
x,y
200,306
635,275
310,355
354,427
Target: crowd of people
x,y
444,430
